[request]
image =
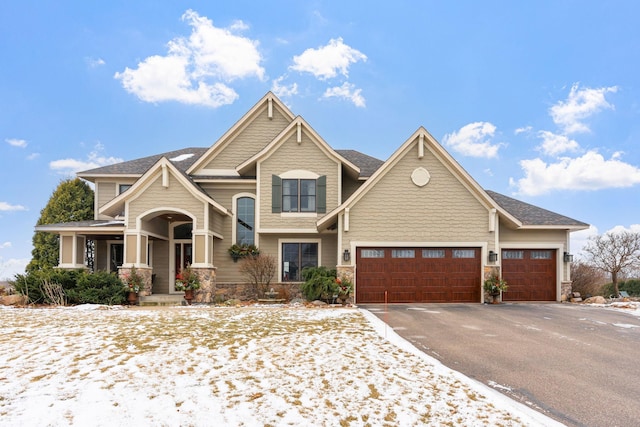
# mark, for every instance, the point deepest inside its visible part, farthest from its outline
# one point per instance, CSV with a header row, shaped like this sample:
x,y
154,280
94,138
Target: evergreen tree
x,y
71,201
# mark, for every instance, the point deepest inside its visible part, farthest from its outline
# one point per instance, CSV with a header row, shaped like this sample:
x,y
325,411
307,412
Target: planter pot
x,y
188,296
132,298
495,299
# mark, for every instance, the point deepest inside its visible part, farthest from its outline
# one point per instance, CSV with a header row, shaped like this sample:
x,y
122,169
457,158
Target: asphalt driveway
x,y
577,364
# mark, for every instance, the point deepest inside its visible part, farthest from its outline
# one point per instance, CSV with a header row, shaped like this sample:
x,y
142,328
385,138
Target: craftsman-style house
x,y
414,228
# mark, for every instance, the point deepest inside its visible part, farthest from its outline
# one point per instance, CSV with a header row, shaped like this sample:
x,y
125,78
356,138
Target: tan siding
x,y
156,226
101,256
67,250
250,140
291,156
508,235
349,186
161,267
176,196
105,192
442,211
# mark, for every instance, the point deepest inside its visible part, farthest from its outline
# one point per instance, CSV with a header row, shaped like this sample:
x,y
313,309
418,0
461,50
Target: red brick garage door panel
x,y
530,274
418,275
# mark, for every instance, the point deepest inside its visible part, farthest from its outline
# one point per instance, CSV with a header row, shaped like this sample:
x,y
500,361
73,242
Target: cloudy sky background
x,y
537,101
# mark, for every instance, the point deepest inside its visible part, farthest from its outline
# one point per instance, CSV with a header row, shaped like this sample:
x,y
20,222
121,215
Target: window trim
x,y
234,212
294,240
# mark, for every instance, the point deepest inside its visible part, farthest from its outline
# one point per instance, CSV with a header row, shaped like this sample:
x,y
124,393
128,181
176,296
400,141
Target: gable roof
x,y
531,215
420,136
278,140
267,101
113,206
181,159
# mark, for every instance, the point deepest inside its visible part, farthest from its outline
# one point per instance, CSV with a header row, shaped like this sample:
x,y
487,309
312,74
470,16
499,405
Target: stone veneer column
x,y
207,278
144,272
565,290
346,273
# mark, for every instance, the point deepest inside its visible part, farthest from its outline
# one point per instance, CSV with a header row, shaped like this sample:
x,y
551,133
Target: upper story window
x,y
300,195
245,217
123,187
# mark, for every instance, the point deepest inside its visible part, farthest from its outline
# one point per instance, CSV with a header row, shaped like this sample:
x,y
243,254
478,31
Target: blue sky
x,y
536,100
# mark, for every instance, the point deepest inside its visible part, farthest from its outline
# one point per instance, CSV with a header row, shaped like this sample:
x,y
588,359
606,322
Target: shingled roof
x,y
533,215
367,164
182,159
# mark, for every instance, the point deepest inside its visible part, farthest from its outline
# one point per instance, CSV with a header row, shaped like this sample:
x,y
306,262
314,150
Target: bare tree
x,y
587,279
614,253
259,270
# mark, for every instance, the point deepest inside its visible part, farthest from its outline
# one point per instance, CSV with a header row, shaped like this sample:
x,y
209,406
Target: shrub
x,y
319,283
31,284
631,286
78,286
259,270
100,287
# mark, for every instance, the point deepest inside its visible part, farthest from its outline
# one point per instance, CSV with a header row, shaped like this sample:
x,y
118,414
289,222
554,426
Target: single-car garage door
x,y
418,275
530,274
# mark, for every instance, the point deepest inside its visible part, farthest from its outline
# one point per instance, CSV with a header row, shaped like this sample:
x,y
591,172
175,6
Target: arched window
x,y
245,217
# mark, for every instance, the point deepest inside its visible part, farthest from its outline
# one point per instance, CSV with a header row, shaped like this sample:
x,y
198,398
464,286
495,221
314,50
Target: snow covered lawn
x,y
249,366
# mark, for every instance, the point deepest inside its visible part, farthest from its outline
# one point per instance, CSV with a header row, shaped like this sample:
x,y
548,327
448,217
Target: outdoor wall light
x,y
493,256
568,257
346,255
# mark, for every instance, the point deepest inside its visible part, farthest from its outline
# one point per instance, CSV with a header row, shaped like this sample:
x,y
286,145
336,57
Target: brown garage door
x,y
530,274
418,275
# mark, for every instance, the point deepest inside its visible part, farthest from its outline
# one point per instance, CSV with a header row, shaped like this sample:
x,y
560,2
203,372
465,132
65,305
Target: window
x,y
464,253
433,253
295,257
540,254
123,187
245,217
403,253
512,254
298,195
372,253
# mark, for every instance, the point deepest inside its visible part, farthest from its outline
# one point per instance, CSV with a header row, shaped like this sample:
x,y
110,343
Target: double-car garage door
x,y
418,275
398,275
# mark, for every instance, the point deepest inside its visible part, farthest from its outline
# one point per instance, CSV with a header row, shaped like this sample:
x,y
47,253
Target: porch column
x,y
72,251
202,249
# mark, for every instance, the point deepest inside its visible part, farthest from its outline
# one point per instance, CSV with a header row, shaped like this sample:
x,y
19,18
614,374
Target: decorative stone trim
x,y
145,272
207,277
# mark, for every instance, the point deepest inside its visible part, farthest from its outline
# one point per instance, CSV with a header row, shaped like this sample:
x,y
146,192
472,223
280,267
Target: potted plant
x,y
238,251
343,289
187,281
494,286
132,284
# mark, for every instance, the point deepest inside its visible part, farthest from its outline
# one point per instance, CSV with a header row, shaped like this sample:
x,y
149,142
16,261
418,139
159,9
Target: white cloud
x,y
94,62
346,91
5,245
95,159
196,70
281,90
6,207
327,61
474,139
11,267
554,144
588,172
580,104
33,156
21,143
525,129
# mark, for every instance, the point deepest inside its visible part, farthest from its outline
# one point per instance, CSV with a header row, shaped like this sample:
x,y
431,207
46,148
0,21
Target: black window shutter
x,y
276,194
321,195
